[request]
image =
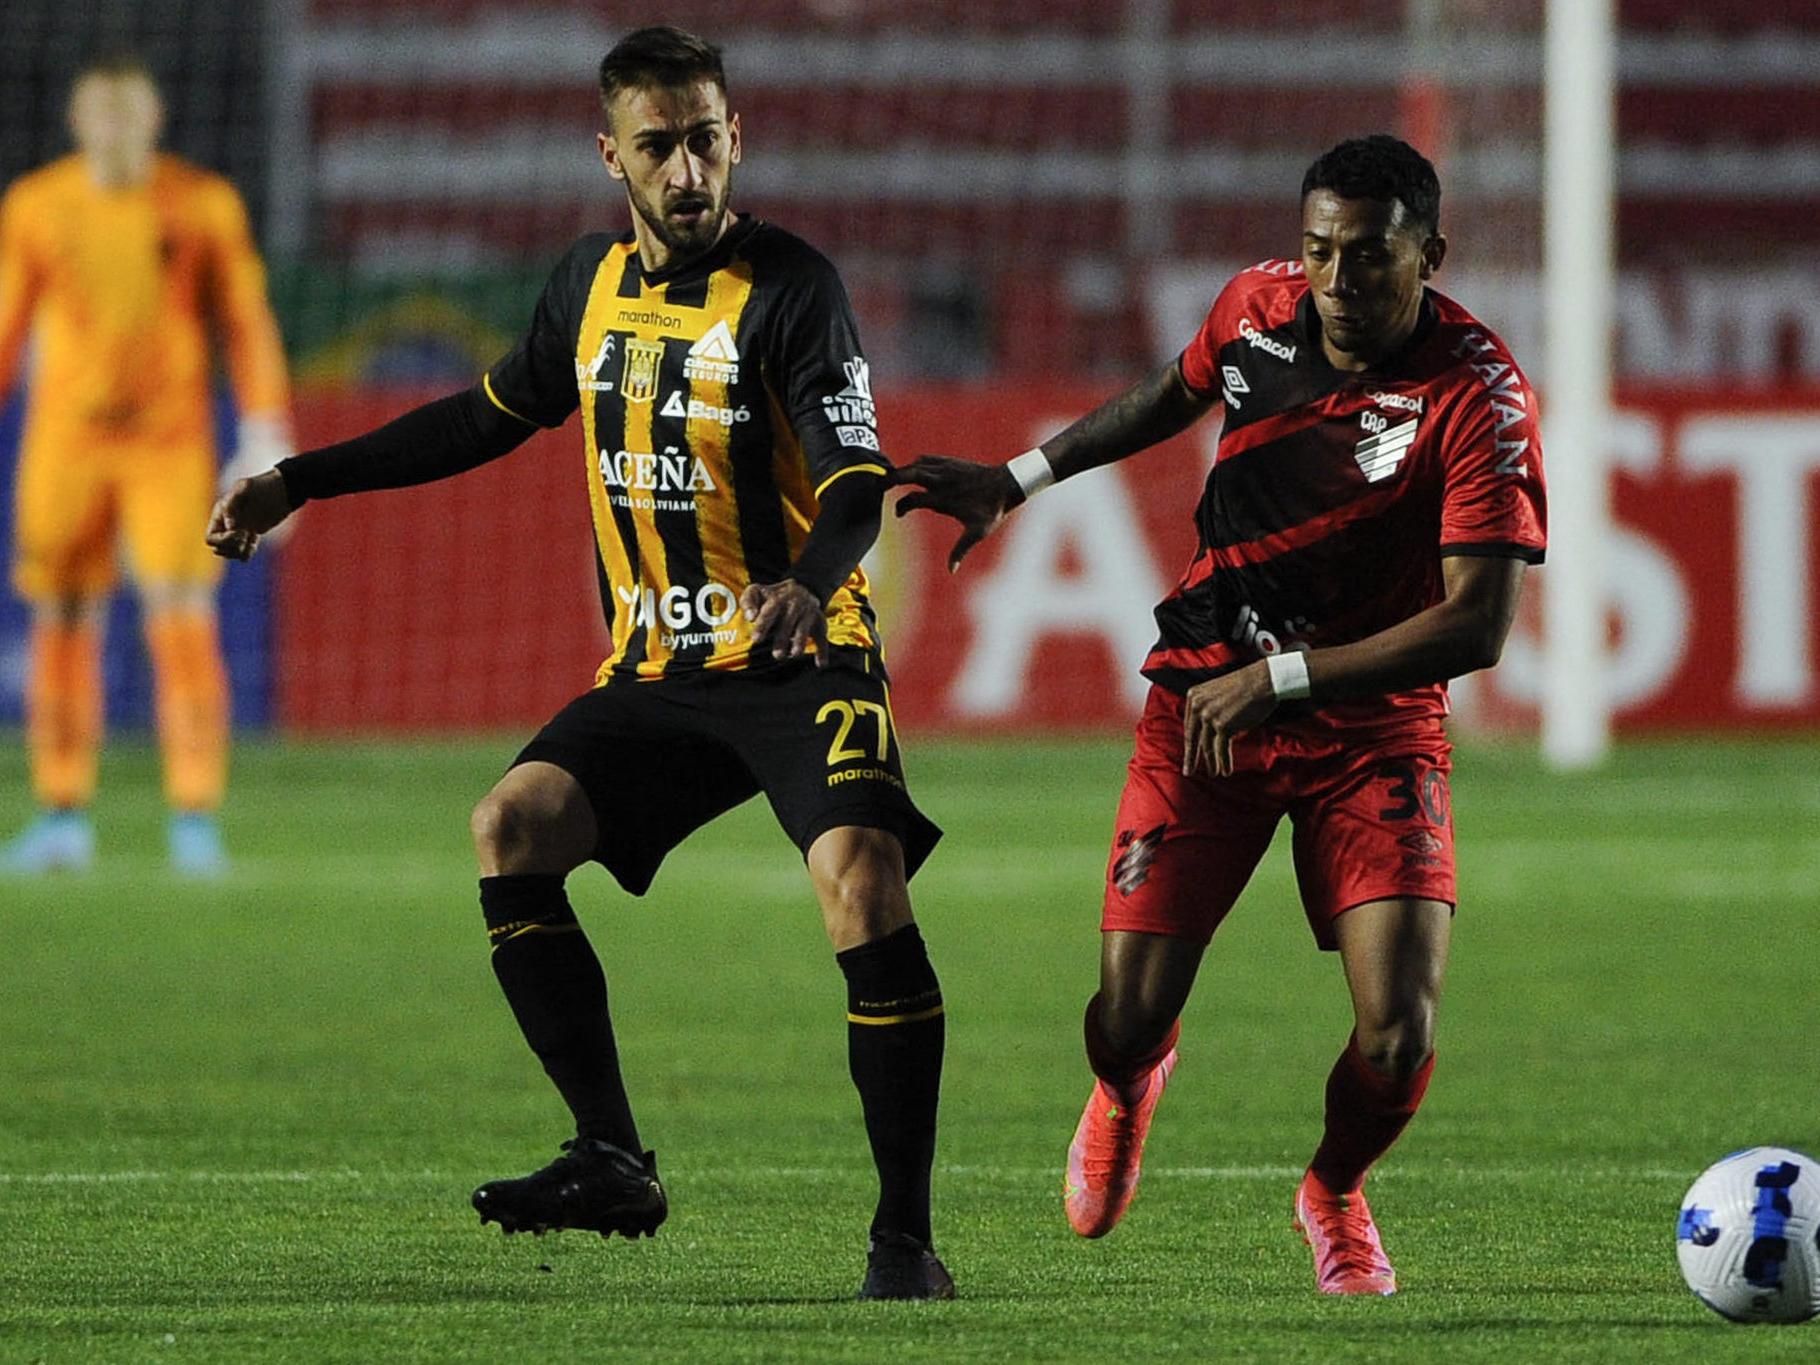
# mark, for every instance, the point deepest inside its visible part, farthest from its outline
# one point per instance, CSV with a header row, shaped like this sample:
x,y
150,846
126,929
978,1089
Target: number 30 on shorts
x,y
865,715
1417,789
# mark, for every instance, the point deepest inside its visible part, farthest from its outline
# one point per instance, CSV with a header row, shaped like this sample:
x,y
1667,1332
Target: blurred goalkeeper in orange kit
x,y
118,264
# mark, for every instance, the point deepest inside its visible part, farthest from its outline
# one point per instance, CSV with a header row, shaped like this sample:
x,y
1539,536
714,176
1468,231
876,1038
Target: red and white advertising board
x,y
473,603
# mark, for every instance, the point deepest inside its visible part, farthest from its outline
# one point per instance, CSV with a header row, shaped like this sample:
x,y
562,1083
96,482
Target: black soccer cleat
x,y
898,1266
593,1186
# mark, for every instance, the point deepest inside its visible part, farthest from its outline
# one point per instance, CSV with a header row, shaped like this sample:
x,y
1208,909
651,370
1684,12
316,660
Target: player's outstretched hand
x,y
978,496
786,617
262,442
1216,710
245,512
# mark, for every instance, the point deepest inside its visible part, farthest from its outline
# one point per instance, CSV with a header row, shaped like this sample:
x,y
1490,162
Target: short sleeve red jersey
x,y
1335,494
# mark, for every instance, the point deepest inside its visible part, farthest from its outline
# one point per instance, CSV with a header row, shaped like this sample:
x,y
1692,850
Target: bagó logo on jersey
x,y
696,410
638,382
714,358
1383,450
851,412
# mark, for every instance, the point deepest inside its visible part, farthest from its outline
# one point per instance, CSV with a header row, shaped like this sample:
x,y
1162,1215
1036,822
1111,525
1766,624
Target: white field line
x,y
988,1173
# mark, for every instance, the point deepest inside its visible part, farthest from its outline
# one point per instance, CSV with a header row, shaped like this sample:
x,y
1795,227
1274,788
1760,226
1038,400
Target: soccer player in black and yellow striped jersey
x,y
733,468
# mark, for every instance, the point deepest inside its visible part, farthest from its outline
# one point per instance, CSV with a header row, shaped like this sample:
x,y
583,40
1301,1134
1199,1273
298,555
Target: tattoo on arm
x,y
1152,410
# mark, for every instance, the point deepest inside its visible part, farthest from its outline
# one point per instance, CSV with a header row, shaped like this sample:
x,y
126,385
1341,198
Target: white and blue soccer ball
x,y
1749,1236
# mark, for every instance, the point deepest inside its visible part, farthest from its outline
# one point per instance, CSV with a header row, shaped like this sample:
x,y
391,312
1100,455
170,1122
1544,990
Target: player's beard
x,y
685,241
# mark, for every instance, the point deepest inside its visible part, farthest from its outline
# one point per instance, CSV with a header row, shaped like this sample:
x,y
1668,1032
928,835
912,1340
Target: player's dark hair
x,y
1383,168
661,56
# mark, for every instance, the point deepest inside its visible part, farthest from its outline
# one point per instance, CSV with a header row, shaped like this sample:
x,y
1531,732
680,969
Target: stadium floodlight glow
x,y
1578,183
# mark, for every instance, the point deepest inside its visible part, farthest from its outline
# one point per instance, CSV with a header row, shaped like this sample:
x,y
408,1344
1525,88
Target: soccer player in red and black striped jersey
x,y
735,477
1375,497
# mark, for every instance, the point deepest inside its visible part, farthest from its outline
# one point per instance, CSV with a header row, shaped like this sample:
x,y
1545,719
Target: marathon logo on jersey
x,y
1380,453
1234,384
851,412
1137,852
1263,341
641,471
714,359
638,383
646,317
695,410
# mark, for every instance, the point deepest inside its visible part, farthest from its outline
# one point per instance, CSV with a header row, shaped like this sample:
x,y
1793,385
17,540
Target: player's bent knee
x,y
493,825
858,875
527,826
1398,1049
1132,1023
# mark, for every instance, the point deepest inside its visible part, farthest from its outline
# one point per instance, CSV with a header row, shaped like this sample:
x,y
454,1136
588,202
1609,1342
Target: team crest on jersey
x,y
1381,452
714,358
638,382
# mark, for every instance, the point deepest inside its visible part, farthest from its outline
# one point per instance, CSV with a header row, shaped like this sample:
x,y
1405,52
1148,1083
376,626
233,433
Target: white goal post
x,y
1578,187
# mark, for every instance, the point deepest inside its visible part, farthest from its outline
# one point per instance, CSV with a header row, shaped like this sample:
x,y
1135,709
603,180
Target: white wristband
x,y
1288,674
1032,471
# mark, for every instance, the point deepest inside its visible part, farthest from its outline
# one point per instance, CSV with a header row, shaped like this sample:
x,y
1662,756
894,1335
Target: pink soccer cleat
x,y
1107,1153
1348,1257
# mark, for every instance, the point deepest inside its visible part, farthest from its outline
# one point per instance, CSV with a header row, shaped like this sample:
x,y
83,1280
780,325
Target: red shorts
x,y
1370,813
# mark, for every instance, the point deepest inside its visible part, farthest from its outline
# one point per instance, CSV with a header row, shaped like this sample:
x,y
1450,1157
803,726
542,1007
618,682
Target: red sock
x,y
1366,1112
1126,1077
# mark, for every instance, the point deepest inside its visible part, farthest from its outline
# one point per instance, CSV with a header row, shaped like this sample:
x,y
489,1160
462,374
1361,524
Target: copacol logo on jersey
x,y
1263,341
1408,402
852,412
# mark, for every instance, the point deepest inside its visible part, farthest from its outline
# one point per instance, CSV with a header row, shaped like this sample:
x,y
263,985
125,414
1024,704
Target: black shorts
x,y
658,760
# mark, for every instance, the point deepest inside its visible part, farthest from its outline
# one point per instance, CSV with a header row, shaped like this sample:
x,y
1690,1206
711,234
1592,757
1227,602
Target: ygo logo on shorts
x,y
712,604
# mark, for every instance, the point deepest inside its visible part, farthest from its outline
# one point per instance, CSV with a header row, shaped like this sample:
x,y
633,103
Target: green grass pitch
x,y
241,1121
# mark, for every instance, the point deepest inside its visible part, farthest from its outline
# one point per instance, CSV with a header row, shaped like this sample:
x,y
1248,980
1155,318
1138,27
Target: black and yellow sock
x,y
895,1033
554,983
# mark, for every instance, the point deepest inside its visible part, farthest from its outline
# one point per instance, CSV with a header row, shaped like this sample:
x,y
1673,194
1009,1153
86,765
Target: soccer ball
x,y
1749,1236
